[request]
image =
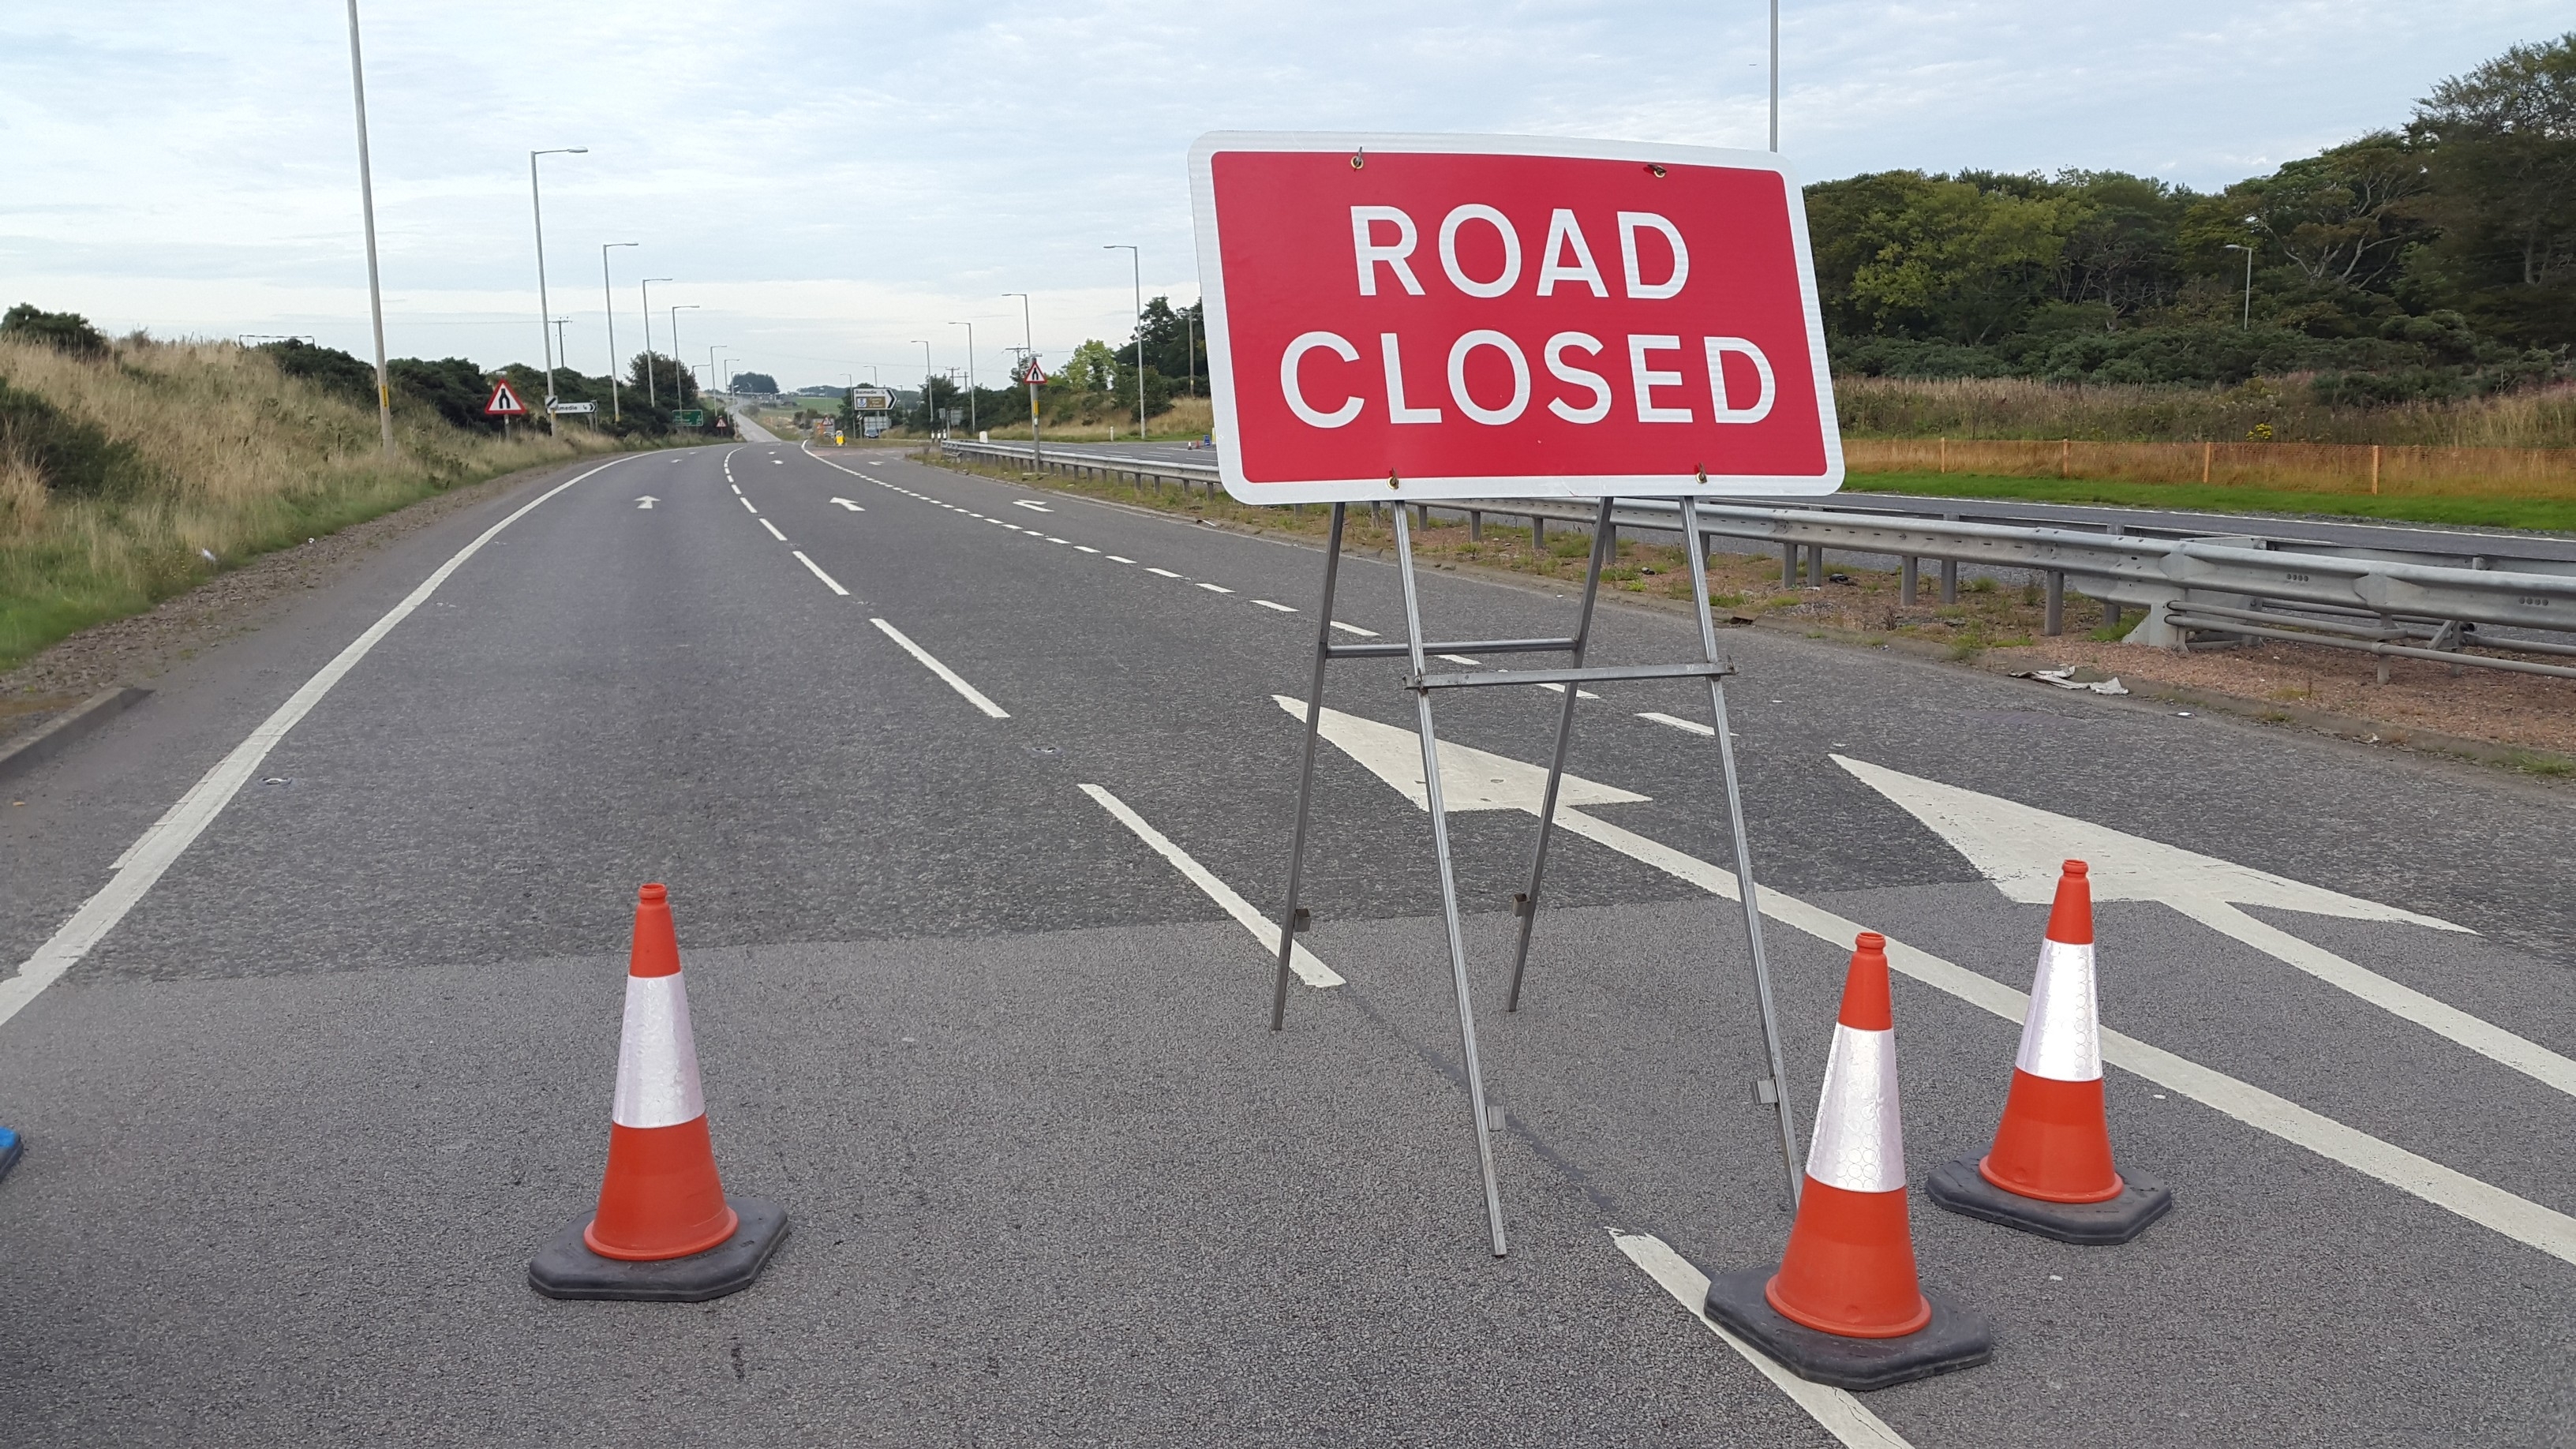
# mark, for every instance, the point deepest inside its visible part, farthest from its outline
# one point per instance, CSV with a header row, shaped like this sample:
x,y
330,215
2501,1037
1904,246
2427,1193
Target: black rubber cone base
x,y
10,1154
567,1268
1954,1339
1964,1190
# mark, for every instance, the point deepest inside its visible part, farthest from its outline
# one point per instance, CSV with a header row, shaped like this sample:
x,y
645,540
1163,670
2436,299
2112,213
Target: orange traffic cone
x,y
1845,1307
664,1229
2050,1171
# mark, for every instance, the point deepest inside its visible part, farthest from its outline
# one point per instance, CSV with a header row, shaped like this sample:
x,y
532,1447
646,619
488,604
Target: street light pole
x,y
1136,263
679,394
652,392
970,372
929,399
367,206
1775,76
2247,324
545,309
608,303
1028,375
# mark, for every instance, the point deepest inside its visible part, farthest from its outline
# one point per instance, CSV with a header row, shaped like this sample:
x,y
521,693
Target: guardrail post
x,y
2054,623
1788,565
1422,516
1475,525
1816,567
1612,530
1909,574
1538,534
1949,581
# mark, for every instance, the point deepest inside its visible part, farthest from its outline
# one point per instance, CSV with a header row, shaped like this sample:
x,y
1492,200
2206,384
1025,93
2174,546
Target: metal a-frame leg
x,y
1779,1081
1603,540
1449,889
1306,772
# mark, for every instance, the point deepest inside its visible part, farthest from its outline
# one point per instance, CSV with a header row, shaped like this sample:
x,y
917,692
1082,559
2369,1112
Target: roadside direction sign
x,y
870,399
504,403
1509,316
690,417
579,407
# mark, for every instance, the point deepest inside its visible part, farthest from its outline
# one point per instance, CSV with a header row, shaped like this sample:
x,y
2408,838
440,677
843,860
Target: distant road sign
x,y
1509,316
1036,375
690,417
504,403
565,407
871,399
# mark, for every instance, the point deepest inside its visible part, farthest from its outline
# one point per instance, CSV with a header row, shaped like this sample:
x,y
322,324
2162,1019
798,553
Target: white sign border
x,y
1644,485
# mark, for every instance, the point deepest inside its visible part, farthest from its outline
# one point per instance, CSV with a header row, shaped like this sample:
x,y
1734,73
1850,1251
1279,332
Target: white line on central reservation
x,y
1309,970
817,569
2483,1203
1836,1410
973,695
153,852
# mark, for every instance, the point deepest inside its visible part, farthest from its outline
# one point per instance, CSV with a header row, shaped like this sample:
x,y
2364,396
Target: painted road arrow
x,y
1034,507
647,501
1504,784
845,503
2020,847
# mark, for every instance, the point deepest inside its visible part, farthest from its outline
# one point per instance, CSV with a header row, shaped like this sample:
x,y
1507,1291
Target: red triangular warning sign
x,y
1036,375
504,403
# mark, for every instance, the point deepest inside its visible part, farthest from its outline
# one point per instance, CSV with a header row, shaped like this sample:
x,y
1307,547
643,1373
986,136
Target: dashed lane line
x,y
1692,725
773,530
830,582
1309,969
1161,573
157,849
745,502
1354,629
1282,608
947,675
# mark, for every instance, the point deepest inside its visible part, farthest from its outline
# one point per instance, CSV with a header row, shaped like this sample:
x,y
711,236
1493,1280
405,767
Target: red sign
x,y
504,403
1509,316
1035,376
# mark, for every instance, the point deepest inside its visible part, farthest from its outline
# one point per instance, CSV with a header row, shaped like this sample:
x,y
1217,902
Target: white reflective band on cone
x,y
1859,1144
657,1060
2061,1036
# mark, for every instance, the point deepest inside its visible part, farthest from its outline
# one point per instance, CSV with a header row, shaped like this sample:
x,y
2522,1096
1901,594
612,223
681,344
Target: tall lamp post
x,y
1028,374
929,399
679,394
608,304
1775,76
652,393
970,372
1136,265
2247,323
367,206
545,309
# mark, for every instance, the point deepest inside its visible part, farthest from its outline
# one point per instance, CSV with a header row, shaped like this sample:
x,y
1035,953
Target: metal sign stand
x,y
1770,1091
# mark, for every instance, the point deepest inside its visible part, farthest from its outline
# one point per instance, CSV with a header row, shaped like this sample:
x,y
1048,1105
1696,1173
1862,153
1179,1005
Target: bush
x,y
74,458
62,331
335,371
452,385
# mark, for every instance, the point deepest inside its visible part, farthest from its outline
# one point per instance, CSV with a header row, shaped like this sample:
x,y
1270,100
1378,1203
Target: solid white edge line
x,y
1694,726
1835,1410
152,853
1300,960
773,530
2483,1203
973,695
830,582
1282,608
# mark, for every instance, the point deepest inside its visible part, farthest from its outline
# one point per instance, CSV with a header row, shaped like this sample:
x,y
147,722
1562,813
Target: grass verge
x,y
2544,514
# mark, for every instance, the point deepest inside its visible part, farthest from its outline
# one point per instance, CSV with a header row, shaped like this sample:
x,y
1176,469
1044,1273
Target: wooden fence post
x,y
2207,449
2065,454
2374,470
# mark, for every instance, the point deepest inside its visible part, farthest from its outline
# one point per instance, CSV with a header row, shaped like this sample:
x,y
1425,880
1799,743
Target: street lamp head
x,y
562,151
2233,247
603,246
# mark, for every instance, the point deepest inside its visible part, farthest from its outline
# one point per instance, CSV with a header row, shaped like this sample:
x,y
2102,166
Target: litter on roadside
x,y
2065,679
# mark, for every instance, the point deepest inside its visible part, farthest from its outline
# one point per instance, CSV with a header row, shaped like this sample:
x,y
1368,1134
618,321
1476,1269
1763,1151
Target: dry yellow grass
x,y
2351,468
2012,407
237,459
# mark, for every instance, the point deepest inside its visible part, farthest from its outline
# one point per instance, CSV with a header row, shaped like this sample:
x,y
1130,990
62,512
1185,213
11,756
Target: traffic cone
x,y
2049,1171
664,1229
1845,1307
11,1149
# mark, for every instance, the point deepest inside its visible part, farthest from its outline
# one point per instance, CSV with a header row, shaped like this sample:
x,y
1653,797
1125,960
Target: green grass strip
x,y
2476,512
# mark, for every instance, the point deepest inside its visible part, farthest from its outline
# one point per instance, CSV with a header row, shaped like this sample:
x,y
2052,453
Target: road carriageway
x,y
2312,1112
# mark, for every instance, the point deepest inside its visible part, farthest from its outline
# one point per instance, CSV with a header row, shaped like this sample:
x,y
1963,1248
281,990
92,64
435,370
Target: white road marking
x,y
1458,659
1840,1414
1164,573
1216,588
1354,629
973,695
737,489
2011,844
1694,726
1024,503
1051,538
845,503
781,462
647,501
773,530
833,583
1560,689
1086,548
747,504
1113,558
1394,755
1300,960
153,852
1282,608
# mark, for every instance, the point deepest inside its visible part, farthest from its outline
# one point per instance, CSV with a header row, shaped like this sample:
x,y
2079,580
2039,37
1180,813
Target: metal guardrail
x,y
2393,603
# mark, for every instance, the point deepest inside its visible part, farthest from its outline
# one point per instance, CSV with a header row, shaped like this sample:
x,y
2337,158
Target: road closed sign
x,y
1422,317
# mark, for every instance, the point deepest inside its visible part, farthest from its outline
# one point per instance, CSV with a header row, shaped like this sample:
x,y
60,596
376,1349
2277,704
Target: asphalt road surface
x,y
952,783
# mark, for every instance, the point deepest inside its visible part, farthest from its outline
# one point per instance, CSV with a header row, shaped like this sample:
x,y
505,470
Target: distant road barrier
x,y
2407,603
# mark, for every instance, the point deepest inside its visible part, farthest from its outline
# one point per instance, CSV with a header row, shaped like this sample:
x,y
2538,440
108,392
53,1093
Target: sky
x,y
829,187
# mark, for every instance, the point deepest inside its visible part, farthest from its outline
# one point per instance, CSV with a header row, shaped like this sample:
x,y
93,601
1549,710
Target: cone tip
x,y
652,894
2075,868
1870,941
1866,1006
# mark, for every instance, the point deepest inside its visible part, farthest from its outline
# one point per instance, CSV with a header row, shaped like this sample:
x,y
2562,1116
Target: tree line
x,y
2434,259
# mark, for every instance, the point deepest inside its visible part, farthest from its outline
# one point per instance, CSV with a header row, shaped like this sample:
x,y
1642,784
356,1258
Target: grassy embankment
x,y
2506,461
121,473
